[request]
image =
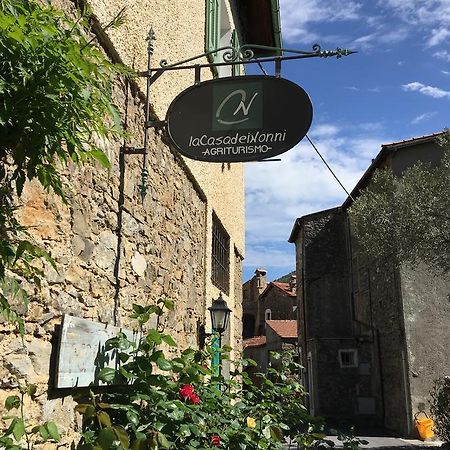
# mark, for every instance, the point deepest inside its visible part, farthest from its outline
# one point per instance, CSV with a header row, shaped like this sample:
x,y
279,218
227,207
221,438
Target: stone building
x,y
263,301
112,249
269,318
373,334
280,336
277,302
251,290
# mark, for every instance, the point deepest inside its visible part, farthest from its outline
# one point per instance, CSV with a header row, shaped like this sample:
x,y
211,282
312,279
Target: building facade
x,y
184,240
251,291
370,329
277,302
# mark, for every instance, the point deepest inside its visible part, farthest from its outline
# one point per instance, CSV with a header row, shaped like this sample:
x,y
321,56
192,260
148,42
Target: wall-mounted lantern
x,y
220,316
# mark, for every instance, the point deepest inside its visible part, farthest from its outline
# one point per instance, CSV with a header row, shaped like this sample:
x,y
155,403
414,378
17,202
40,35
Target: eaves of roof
x,y
256,341
300,220
386,149
261,20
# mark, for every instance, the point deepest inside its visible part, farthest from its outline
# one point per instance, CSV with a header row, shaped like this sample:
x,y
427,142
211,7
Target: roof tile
x,y
284,328
256,341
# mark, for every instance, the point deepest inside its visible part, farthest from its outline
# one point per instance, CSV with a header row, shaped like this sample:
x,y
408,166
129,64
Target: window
x,y
268,314
219,33
220,274
348,358
212,25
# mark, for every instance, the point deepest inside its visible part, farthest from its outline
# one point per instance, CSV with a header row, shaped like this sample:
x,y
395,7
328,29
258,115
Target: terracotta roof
x,y
256,341
284,328
280,285
284,287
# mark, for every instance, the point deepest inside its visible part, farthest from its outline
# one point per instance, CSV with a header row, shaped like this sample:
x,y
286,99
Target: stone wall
x,y
426,301
238,309
326,277
112,250
324,308
379,314
280,304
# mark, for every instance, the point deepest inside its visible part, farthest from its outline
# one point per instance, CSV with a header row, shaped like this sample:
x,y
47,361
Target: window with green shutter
x,y
212,32
219,34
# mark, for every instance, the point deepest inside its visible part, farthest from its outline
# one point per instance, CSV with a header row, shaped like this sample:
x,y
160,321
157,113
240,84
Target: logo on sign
x,y
239,119
237,107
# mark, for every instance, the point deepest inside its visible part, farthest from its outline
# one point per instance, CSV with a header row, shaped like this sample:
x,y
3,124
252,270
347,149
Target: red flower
x,y
187,392
215,440
194,398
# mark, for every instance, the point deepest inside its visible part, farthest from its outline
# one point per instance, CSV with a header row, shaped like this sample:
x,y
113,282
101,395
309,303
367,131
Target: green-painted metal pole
x,y
144,171
215,345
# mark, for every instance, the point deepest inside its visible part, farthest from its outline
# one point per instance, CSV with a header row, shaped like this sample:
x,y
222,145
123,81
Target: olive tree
x,y
407,217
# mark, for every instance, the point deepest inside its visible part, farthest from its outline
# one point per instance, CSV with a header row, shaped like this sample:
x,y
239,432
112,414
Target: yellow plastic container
x,y
424,426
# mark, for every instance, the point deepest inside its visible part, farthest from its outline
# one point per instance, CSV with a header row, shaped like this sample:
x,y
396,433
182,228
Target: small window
x,y
268,314
348,358
220,274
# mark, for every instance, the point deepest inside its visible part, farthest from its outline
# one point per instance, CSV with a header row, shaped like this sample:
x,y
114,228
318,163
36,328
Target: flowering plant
x,y
187,393
181,403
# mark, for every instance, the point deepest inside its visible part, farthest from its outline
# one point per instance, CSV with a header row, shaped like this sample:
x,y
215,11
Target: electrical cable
x,y
317,151
262,68
329,168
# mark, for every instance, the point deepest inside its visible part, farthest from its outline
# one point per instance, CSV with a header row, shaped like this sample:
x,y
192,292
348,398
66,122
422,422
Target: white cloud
x,y
325,130
423,12
262,255
445,72
423,117
370,126
443,54
296,17
438,35
380,37
429,91
279,192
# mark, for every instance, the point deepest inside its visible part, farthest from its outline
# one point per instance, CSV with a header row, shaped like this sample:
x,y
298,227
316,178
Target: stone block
x,y
39,352
139,264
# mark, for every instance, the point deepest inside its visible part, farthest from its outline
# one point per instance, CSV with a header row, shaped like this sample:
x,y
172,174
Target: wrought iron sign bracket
x,y
231,56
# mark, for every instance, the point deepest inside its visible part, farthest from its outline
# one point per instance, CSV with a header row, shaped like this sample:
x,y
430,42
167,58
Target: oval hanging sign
x,y
239,119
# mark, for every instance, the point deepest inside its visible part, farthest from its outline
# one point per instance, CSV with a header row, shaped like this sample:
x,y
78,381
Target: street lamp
x,y
220,316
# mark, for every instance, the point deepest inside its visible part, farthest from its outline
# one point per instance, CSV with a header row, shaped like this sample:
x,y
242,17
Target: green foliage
x,y
407,218
56,90
19,434
350,441
181,403
440,407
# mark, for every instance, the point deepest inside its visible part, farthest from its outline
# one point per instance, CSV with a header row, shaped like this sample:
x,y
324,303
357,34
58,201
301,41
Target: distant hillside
x,y
286,278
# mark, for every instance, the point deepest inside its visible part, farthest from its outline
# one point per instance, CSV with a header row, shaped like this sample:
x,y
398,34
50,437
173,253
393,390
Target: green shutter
x,y
236,69
212,26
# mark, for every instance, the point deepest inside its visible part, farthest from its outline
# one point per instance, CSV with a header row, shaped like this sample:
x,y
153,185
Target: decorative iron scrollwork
x,y
247,53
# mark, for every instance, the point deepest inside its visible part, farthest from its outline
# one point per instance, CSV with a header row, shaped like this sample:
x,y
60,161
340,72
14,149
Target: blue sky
x,y
396,87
